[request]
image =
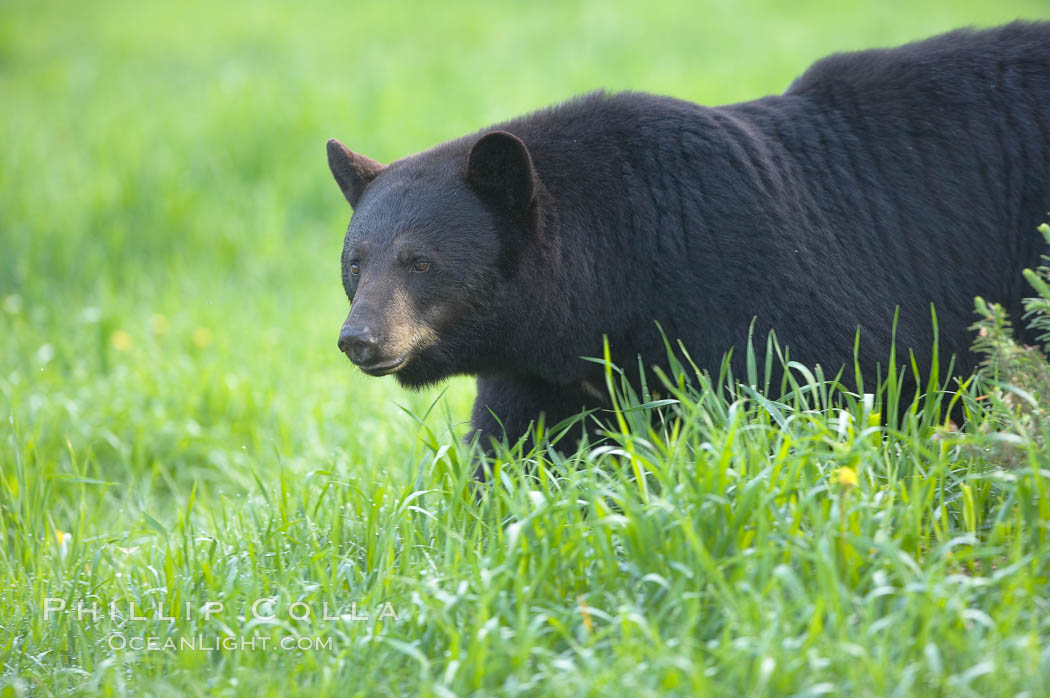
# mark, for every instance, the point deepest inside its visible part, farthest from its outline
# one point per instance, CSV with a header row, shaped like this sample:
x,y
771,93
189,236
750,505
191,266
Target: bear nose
x,y
359,343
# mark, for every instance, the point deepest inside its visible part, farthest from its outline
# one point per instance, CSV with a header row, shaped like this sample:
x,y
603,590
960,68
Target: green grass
x,y
179,427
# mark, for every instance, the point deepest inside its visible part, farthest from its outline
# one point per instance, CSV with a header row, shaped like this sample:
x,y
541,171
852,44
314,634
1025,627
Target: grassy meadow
x,y
179,431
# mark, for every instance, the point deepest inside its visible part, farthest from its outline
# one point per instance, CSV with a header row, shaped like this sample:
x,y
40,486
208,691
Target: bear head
x,y
429,253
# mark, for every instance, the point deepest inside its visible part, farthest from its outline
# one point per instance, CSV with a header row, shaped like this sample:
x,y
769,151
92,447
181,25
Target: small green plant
x,y
1015,377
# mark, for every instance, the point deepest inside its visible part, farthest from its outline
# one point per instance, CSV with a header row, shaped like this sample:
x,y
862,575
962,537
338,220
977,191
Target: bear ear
x,y
352,172
500,167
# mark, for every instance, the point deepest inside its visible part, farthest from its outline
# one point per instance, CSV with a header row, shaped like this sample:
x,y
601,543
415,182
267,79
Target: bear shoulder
x,y
945,61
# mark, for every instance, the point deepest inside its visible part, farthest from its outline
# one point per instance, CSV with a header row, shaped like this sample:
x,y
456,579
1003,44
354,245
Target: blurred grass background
x,y
170,234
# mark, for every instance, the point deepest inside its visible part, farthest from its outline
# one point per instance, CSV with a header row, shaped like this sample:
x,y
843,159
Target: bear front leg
x,y
510,407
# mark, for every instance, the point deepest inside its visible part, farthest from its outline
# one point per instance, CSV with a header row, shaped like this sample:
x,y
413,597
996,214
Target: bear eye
x,y
421,266
355,269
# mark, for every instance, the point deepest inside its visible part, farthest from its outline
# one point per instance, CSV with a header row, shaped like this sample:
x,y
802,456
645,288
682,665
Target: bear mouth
x,y
384,368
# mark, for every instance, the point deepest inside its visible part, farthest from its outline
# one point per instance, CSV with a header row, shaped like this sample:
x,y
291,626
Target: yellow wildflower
x,y
121,340
846,476
585,613
64,540
202,337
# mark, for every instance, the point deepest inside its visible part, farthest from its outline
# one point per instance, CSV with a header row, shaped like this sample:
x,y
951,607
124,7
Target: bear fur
x,y
880,179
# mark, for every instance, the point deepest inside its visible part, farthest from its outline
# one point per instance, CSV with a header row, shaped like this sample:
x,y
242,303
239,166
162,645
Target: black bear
x,y
880,179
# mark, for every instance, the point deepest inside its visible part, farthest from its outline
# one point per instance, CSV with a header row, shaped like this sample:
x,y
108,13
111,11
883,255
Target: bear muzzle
x,y
363,347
